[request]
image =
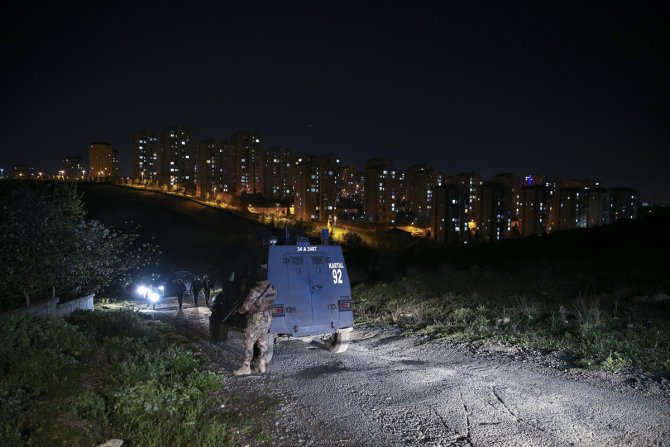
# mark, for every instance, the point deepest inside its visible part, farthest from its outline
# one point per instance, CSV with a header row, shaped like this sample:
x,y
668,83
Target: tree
x,y
45,242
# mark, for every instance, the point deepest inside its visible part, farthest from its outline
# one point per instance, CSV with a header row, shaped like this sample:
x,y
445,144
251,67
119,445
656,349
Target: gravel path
x,y
391,390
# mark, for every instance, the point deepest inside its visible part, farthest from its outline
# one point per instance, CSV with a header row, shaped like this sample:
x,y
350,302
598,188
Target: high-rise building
x,y
472,181
572,208
598,206
552,184
350,202
306,189
178,152
450,222
316,186
494,212
215,168
104,161
379,199
512,185
352,182
278,181
331,186
146,156
420,182
534,210
249,166
402,206
625,203
73,167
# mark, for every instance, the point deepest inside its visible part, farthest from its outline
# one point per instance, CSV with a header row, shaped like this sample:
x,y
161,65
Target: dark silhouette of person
x,y
181,290
196,287
207,286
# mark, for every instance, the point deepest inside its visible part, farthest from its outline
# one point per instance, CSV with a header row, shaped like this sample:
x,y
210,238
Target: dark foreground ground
x,y
393,390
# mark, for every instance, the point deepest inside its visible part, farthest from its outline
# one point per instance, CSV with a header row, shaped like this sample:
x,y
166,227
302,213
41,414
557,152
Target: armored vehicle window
x,y
296,260
317,260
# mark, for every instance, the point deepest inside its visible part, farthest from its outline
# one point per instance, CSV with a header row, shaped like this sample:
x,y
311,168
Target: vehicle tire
x,y
271,348
338,342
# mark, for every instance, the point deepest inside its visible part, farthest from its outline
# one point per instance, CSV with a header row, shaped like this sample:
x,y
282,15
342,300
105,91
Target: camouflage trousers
x,y
256,333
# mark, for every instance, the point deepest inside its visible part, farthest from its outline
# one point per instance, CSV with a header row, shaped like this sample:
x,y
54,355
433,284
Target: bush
x,y
480,305
139,387
35,352
47,243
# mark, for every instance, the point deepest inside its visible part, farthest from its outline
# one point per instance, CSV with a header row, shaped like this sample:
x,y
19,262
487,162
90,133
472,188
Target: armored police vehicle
x,y
313,297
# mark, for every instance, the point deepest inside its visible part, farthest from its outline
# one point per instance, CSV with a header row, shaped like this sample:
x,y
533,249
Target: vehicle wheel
x,y
271,348
338,342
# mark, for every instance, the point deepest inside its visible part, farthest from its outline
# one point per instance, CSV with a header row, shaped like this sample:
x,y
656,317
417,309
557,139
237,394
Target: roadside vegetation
x,y
48,246
600,321
103,375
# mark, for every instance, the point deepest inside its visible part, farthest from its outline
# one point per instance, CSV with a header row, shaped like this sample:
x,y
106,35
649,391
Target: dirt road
x,y
392,390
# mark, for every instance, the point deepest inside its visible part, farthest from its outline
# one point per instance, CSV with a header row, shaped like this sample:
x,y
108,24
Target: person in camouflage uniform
x,y
257,304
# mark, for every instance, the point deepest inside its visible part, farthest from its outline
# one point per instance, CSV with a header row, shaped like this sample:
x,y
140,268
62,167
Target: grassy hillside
x,y
199,238
600,295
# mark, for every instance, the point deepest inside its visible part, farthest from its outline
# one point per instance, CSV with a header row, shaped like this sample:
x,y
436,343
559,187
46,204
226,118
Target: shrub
x,y
47,243
140,387
526,308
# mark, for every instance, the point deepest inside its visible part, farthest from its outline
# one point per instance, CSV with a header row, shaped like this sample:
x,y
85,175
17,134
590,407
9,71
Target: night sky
x,y
551,88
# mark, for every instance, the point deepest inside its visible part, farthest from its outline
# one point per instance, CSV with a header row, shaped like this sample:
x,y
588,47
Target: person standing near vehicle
x,y
196,286
257,304
207,288
181,290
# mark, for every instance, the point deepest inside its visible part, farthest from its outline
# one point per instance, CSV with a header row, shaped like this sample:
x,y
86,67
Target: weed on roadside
x,y
111,375
599,329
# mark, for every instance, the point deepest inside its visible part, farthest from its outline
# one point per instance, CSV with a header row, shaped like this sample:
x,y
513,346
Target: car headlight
x,y
142,290
153,296
161,288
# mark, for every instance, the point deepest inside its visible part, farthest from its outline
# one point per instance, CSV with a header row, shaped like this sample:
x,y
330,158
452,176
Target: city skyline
x,y
126,161
571,90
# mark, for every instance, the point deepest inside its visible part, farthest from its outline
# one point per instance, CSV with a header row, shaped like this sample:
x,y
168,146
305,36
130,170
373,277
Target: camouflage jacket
x,y
260,298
